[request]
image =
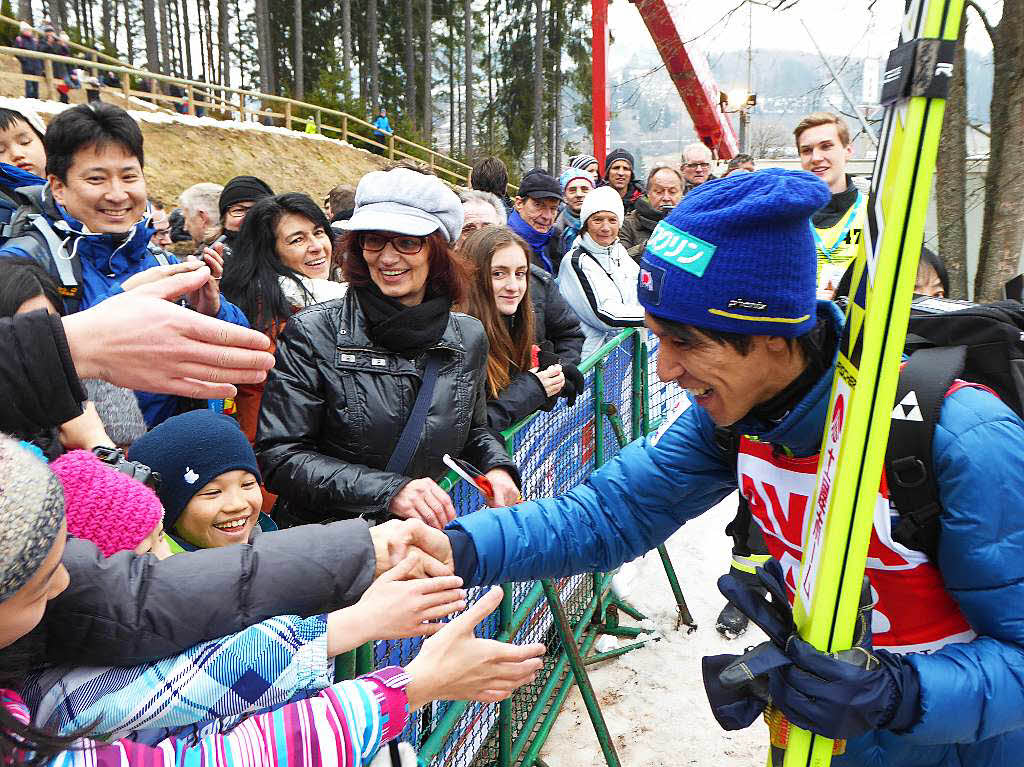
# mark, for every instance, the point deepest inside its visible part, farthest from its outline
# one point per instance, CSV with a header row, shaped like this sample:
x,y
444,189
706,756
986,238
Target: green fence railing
x,y
555,451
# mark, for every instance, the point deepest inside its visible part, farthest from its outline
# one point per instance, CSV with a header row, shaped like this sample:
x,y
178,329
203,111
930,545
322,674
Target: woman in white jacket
x,y
597,277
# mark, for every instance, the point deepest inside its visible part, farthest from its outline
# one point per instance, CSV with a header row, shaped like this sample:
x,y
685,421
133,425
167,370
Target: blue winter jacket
x,y
107,261
972,694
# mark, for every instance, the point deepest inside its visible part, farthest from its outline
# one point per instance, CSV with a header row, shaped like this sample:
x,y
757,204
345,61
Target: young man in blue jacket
x,y
93,223
729,288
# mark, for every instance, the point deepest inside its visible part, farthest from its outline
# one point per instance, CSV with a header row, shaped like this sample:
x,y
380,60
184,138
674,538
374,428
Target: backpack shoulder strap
x,y
909,472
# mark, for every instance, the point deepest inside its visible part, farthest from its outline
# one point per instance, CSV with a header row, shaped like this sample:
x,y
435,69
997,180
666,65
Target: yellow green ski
x,y
857,428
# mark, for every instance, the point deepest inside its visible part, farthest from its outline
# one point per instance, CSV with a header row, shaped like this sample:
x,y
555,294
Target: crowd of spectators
x,y
236,453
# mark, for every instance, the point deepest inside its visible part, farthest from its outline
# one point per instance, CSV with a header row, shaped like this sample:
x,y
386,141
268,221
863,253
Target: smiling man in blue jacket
x,y
90,224
728,283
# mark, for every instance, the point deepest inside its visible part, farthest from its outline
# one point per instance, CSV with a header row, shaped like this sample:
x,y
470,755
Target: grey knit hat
x,y
405,202
118,409
31,513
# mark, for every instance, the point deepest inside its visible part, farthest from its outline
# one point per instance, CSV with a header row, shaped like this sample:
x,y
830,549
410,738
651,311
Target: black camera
x,y
115,458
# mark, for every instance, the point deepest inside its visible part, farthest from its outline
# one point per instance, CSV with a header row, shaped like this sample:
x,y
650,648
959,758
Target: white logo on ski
x,y
907,409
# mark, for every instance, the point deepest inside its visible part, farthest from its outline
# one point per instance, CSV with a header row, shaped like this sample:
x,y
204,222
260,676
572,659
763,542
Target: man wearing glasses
x,y
696,166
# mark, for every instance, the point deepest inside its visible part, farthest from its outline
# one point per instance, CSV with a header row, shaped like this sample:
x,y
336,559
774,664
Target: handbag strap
x,y
410,437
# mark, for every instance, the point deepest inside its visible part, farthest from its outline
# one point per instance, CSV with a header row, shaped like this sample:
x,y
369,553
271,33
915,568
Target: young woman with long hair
x,y
280,264
499,297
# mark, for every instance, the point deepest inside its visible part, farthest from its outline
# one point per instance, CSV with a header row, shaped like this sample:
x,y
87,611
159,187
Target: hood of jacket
x,y
115,256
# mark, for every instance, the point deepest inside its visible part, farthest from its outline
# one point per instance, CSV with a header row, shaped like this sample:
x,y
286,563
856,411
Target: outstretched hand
x,y
395,607
455,665
140,340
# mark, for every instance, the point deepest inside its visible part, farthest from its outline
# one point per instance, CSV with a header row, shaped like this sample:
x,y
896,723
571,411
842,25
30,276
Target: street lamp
x,y
741,101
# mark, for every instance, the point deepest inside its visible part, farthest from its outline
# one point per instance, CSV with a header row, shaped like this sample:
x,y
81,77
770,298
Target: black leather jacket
x,y
334,406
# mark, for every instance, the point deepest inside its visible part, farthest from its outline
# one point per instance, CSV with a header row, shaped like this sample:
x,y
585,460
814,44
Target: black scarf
x,y
399,328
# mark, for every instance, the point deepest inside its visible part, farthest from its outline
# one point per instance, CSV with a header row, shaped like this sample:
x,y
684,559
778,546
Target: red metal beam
x,y
692,76
599,79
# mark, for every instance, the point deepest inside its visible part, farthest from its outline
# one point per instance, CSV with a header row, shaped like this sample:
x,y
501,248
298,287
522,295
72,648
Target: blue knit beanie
x,y
190,450
737,255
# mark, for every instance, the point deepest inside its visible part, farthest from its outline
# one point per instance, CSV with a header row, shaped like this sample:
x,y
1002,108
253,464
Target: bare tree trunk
x,y
410,66
1002,233
179,47
538,84
105,22
467,23
428,72
129,31
202,29
372,45
490,77
453,141
299,88
165,48
224,41
186,31
25,11
346,46
560,24
263,43
951,177
208,28
149,30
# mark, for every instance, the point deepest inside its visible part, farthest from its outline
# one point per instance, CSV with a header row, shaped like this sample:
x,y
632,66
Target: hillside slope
x,y
182,150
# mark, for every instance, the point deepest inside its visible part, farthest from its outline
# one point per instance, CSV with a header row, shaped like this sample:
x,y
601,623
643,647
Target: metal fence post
x,y
598,414
579,671
638,388
505,707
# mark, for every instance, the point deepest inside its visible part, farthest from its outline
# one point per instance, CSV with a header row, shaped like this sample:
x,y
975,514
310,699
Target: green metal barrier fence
x,y
555,451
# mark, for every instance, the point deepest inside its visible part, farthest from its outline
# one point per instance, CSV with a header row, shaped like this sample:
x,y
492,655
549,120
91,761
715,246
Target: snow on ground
x,y
653,698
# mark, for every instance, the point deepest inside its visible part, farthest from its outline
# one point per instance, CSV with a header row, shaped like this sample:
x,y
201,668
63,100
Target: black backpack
x,y
946,340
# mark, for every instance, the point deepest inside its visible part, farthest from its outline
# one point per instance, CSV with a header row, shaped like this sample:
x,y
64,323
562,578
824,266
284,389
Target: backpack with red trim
x,y
947,341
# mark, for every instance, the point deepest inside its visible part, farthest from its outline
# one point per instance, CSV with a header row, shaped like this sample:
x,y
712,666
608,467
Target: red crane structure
x,y
686,65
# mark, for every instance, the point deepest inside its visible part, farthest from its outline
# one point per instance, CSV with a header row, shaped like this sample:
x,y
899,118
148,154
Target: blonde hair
x,y
822,118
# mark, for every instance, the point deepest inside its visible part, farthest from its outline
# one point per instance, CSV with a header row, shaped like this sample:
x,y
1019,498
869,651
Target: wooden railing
x,y
244,105
88,53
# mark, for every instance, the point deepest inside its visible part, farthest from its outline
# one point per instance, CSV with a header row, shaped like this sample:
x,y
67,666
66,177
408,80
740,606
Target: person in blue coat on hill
x,y
94,224
728,284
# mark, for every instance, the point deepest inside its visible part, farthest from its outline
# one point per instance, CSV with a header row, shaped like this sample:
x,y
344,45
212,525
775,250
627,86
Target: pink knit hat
x,y
111,509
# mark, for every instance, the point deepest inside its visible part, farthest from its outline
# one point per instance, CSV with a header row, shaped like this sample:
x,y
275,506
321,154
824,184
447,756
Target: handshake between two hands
x,y
414,587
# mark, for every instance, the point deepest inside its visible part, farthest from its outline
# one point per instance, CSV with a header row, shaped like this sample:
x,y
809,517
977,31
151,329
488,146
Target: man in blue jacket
x,y
90,224
728,283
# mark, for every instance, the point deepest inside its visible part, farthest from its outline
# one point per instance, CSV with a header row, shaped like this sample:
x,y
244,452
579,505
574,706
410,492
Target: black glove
x,y
574,383
838,695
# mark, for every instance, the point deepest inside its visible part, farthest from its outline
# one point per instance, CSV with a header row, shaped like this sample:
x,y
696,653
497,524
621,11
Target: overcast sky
x,y
840,27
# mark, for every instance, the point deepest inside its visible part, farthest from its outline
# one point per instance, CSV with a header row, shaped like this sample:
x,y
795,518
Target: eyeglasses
x,y
404,243
697,165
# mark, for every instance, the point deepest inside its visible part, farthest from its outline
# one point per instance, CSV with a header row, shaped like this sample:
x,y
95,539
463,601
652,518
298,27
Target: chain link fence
x,y
555,451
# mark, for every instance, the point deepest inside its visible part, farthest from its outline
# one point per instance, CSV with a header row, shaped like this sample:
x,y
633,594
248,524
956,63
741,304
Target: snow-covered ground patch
x,y
653,698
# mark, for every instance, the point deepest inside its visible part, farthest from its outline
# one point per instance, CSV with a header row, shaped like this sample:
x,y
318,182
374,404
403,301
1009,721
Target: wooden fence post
x,y
48,75
288,115
191,101
318,120
241,105
344,127
391,146
126,84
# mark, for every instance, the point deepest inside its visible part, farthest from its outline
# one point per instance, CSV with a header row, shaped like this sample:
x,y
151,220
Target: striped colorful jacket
x,y
258,668
342,726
